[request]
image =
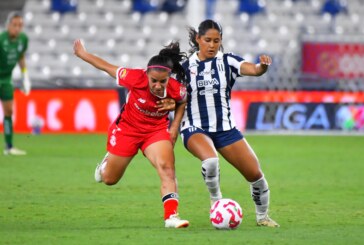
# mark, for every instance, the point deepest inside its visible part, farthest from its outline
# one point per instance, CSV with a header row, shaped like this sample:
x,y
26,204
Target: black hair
x,y
170,56
12,15
202,29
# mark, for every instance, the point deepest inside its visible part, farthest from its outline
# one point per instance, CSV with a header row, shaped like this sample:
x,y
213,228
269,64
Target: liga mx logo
x,y
350,117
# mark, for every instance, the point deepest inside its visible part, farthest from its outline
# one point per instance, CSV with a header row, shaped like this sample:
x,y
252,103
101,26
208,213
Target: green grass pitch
x,y
50,197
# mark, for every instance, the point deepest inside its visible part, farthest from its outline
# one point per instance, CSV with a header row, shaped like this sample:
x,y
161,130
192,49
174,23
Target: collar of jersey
x,y
11,40
160,97
218,55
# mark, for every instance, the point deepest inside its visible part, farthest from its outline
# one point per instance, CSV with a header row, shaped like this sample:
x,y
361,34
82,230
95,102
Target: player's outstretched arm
x,y
80,51
250,69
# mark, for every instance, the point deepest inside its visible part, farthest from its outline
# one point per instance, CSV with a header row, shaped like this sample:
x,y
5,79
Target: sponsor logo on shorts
x,y
112,140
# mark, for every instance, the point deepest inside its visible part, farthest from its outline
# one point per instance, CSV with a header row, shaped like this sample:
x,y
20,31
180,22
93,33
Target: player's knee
x,y
8,112
168,174
210,167
165,166
108,180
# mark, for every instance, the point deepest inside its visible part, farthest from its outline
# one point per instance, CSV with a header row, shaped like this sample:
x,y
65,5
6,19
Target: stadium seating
x,y
334,7
125,37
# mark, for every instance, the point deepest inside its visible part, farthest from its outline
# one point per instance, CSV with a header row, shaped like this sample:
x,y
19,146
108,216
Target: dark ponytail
x,y
170,57
202,29
192,33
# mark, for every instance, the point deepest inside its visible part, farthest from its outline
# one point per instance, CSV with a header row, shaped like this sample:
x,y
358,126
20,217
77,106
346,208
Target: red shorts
x,y
125,142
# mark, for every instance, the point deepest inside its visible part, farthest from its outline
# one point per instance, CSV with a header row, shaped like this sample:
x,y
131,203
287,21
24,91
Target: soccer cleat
x,y
98,177
175,221
14,152
266,221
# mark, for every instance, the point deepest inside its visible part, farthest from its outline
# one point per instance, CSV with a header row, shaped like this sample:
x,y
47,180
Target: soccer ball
x,y
226,214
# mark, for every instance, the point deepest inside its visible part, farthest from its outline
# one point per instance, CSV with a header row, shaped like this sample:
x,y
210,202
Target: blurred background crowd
x,y
298,34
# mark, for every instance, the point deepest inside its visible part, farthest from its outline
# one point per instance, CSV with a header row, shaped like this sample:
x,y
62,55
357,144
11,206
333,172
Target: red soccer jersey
x,y
139,111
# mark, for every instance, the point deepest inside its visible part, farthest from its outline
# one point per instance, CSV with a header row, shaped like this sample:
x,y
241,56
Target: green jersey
x,y
11,51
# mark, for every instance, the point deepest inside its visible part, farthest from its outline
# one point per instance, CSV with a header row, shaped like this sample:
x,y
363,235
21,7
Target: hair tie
x,y
159,66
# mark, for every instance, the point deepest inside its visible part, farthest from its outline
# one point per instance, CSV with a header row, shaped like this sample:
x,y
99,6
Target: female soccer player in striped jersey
x,y
143,122
207,126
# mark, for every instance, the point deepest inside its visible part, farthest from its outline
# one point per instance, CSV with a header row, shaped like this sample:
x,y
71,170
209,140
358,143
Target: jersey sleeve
x,y
129,78
176,90
234,62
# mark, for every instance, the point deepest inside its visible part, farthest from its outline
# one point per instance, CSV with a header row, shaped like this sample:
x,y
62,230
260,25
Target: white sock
x,y
211,175
260,193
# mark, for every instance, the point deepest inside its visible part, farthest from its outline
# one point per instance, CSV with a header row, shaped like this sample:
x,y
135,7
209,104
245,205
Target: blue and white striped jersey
x,y
209,85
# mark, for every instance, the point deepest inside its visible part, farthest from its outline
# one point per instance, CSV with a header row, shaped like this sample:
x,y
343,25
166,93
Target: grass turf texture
x,y
50,197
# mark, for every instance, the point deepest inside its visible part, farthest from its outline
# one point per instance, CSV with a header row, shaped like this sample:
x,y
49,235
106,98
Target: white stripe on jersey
x,y
210,83
224,97
194,106
234,62
209,96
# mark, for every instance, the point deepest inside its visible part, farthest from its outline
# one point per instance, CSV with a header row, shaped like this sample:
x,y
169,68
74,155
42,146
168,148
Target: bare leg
x,y
243,158
113,168
161,156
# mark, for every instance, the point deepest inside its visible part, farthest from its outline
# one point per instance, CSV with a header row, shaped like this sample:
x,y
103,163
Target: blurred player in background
x,y
143,122
207,126
13,45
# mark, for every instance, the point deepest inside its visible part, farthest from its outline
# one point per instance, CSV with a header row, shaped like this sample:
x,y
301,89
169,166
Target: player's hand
x,y
26,84
174,135
265,60
167,104
78,48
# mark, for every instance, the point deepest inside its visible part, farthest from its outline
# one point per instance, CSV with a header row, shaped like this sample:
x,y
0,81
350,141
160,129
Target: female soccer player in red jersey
x,y
208,127
143,122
